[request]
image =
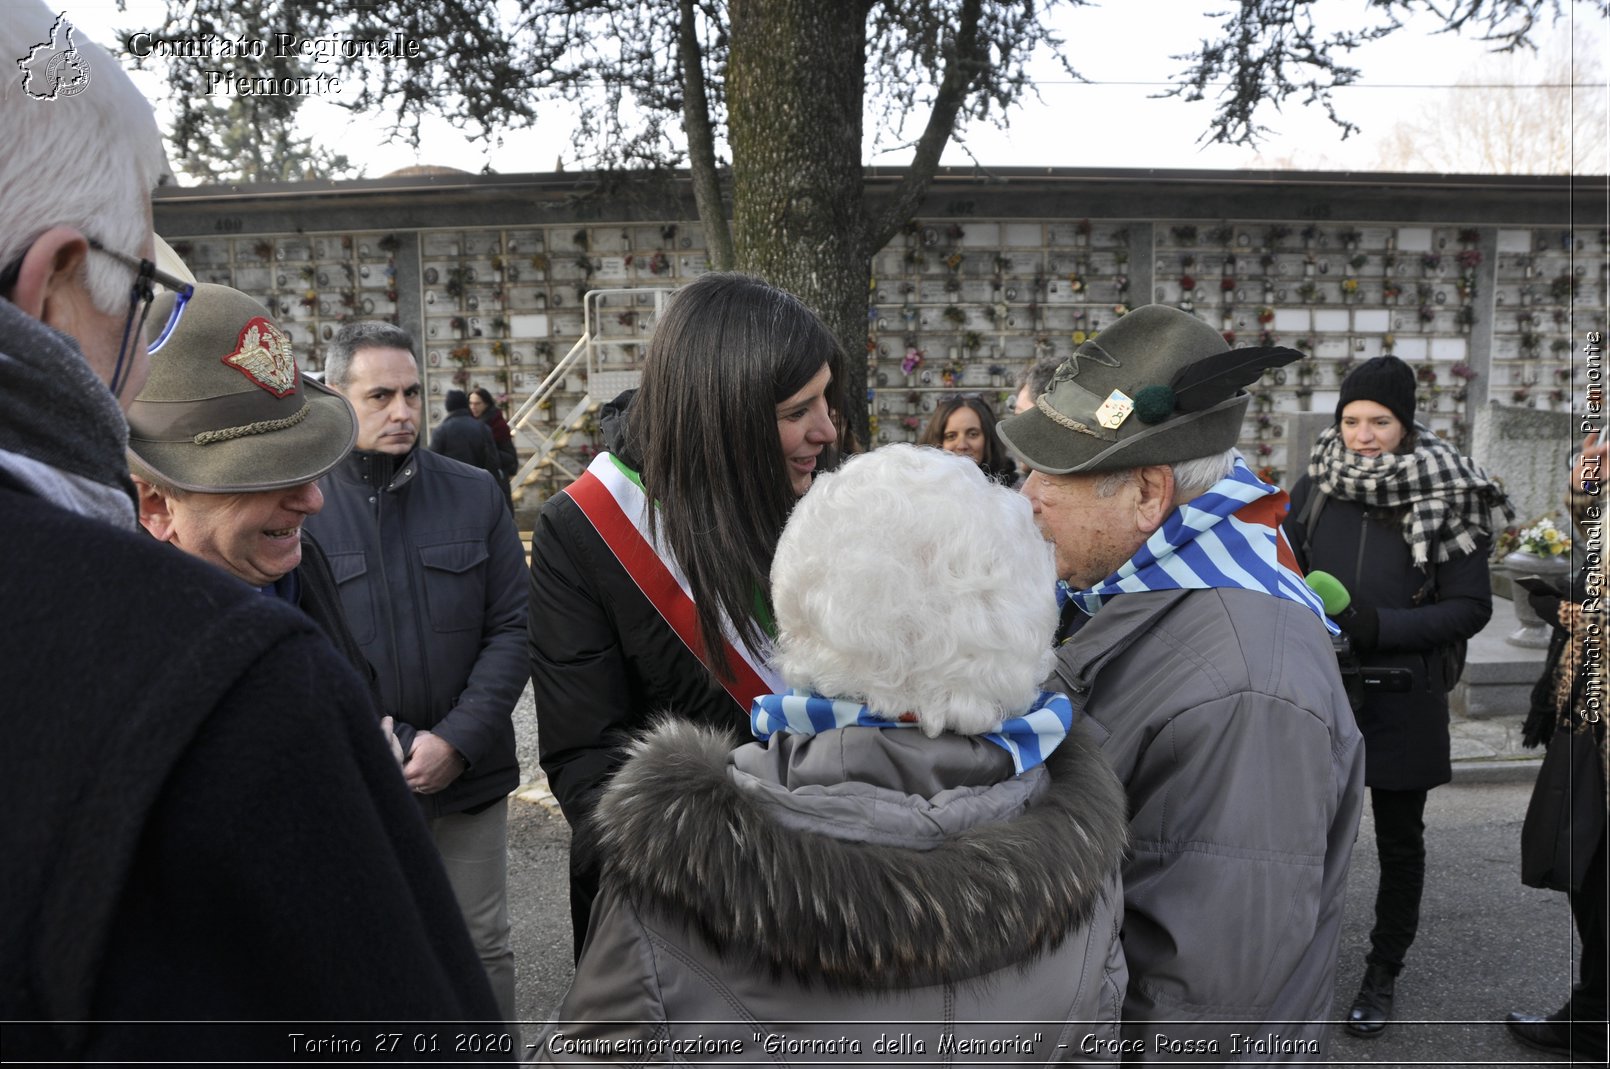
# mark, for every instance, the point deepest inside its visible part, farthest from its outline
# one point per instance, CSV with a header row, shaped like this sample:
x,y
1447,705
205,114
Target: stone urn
x,y
1534,632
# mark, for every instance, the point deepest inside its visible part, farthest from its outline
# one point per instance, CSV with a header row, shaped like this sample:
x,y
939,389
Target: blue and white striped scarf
x,y
1028,738
1228,537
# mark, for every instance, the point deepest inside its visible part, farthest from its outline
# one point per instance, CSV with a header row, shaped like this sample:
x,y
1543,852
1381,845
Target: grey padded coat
x,y
1223,714
799,901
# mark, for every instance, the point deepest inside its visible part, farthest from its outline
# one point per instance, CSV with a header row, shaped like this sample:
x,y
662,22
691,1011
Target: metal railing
x,y
583,357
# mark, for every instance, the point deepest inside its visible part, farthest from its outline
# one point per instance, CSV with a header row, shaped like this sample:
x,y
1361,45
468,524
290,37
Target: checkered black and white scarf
x,y
1449,499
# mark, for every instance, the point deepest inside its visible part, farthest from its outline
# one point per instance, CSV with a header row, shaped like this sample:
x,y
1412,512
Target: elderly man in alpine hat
x,y
226,443
1202,663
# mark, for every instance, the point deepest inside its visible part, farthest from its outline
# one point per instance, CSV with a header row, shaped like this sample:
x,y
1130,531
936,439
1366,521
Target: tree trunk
x,y
701,141
795,86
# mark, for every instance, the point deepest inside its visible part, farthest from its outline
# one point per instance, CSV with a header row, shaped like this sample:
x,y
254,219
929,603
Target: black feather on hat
x,y
1157,387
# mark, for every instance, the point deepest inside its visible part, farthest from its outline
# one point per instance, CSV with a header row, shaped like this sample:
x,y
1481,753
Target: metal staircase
x,y
585,358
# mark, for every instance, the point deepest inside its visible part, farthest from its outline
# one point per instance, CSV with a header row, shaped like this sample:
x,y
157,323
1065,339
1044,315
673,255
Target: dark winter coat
x,y
1566,816
1223,714
431,573
469,441
826,890
1406,739
603,664
318,595
503,439
201,820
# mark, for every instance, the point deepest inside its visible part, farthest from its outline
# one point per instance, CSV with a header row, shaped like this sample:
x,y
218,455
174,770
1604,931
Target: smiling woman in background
x,y
965,424
650,583
1406,524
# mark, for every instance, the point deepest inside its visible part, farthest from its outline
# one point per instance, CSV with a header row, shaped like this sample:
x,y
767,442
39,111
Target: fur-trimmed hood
x,y
863,883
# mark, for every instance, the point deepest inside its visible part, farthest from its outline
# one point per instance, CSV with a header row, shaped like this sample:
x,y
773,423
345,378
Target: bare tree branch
x,y
701,143
1269,51
963,67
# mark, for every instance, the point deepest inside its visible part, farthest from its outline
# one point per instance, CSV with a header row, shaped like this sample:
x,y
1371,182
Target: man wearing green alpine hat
x,y
1204,667
226,443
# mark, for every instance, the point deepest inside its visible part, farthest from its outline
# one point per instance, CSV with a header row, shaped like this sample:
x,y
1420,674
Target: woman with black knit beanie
x,y
1406,524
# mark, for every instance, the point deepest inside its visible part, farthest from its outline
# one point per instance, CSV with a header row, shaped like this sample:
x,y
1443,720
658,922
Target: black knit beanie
x,y
1386,380
455,400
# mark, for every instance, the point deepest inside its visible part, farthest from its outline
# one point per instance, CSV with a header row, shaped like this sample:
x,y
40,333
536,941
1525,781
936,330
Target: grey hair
x,y
910,581
1037,376
365,334
1191,477
104,139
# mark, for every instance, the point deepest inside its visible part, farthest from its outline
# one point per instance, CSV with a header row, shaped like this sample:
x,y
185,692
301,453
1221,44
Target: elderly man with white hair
x,y
200,821
912,847
1202,664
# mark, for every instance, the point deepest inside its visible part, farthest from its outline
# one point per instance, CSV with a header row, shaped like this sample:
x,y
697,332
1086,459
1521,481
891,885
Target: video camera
x,y
1359,680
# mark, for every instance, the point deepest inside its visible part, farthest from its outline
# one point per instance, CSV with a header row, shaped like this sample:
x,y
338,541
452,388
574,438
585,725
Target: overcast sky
x,y
1123,48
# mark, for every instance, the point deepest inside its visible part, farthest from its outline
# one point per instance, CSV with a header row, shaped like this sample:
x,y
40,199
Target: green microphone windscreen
x,y
1330,591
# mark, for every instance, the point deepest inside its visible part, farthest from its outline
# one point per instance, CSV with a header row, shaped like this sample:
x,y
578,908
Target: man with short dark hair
x,y
1202,663
431,574
201,828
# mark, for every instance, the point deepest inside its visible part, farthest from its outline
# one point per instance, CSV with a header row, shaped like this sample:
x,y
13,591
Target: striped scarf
x,y
1228,537
1449,498
1029,738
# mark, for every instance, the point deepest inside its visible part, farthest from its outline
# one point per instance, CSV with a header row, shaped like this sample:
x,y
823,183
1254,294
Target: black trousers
x,y
1400,844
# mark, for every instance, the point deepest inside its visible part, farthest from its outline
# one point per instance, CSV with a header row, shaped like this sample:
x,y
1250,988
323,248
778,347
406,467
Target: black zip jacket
x,y
431,576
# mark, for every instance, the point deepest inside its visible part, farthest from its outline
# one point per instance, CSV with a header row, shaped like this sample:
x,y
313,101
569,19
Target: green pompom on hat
x,y
1159,386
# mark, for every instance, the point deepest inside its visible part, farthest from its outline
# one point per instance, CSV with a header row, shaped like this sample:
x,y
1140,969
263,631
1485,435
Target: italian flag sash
x,y
615,505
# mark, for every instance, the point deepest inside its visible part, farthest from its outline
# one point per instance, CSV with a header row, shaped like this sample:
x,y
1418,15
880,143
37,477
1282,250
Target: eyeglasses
x,y
145,273
141,294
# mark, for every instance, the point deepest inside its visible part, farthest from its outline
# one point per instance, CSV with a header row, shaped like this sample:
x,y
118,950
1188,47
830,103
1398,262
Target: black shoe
x,y
1373,1006
1540,1033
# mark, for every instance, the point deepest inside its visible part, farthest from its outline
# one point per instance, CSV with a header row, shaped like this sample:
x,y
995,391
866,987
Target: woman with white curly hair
x,y
914,847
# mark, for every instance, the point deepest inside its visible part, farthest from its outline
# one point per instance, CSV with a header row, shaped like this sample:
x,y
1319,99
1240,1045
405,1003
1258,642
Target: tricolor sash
x,y
616,506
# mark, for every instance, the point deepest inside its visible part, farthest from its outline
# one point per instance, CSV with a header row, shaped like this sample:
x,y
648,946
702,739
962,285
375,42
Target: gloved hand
x,y
1363,626
1547,605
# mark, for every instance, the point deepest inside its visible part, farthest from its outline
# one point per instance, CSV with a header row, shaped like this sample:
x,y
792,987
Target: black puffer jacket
x,y
1406,741
603,662
468,441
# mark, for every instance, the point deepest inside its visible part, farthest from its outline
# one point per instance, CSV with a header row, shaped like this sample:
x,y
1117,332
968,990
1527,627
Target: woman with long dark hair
x,y
650,585
965,424
1406,524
